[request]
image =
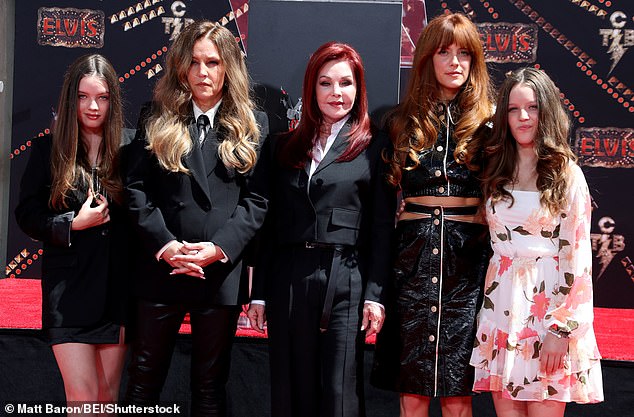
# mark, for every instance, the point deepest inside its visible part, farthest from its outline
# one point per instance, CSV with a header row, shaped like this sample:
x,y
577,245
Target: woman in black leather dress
x,y
442,250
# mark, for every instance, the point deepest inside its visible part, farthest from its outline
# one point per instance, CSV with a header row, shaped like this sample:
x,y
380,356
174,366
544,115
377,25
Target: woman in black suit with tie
x,y
183,183
326,243
71,199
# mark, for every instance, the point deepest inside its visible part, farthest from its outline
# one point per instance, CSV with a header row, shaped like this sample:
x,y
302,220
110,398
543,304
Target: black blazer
x,y
347,203
84,272
167,206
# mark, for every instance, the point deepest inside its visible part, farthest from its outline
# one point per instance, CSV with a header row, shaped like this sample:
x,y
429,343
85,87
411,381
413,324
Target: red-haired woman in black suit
x,y
327,239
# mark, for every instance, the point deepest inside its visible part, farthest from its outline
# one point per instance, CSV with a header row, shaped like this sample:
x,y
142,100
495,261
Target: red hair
x,y
297,147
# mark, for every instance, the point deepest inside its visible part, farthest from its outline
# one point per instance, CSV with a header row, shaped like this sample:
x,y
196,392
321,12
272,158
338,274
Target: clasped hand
x,y
190,258
88,216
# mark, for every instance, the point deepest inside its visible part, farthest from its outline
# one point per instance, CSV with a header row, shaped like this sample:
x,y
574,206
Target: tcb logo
x,y
617,39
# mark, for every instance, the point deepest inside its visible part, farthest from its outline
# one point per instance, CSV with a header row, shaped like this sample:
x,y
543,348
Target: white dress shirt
x,y
211,114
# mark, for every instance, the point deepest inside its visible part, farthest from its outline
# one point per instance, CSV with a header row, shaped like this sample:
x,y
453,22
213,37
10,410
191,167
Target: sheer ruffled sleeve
x,y
571,309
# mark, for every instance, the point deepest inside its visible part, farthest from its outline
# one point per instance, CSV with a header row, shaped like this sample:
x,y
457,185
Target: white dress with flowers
x,y
539,276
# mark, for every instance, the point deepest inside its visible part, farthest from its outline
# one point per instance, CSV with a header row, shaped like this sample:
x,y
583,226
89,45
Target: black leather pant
x,y
157,325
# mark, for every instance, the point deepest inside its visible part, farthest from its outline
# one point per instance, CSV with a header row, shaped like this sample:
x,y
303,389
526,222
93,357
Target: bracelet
x,y
559,334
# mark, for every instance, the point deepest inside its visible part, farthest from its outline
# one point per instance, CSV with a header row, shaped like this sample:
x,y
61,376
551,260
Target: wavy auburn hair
x,y
551,144
69,154
414,124
297,148
167,128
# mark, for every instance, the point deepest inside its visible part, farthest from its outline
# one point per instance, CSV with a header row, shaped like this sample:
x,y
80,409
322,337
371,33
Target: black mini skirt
x,y
101,333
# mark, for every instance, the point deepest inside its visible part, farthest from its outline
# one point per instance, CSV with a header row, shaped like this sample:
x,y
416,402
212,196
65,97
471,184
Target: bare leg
x,y
413,405
109,365
76,362
509,408
546,408
456,406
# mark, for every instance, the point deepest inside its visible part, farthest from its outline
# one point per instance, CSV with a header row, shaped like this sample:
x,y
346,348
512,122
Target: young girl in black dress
x,y
70,199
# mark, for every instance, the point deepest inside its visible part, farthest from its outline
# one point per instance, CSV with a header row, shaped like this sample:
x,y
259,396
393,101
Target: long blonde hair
x,y
167,128
414,125
69,154
551,144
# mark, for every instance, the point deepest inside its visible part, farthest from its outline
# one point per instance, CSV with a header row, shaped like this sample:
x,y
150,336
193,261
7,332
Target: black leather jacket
x,y
438,172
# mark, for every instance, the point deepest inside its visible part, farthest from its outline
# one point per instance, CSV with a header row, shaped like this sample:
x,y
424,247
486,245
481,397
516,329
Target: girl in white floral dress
x,y
535,348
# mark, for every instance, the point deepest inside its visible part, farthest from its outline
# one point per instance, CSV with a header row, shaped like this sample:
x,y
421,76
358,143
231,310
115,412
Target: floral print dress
x,y
539,276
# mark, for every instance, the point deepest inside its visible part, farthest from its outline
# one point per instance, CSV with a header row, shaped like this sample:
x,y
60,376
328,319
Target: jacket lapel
x,y
210,151
194,161
337,148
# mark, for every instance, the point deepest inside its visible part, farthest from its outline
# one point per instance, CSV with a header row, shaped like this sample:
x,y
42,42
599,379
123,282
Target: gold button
x,y
437,173
433,309
440,148
441,190
436,222
434,280
431,338
436,212
434,251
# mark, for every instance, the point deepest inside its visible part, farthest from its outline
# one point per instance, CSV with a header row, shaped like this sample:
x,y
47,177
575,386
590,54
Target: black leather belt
x,y
421,209
319,245
331,287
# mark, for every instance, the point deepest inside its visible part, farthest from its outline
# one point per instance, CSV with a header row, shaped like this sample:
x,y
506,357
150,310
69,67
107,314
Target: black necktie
x,y
202,124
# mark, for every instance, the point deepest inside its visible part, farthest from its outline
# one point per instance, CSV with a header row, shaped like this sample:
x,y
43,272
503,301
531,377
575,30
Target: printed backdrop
x,y
586,46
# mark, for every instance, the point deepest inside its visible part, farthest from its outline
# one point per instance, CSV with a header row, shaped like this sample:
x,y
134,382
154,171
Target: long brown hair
x,y
414,125
298,147
167,128
69,155
551,144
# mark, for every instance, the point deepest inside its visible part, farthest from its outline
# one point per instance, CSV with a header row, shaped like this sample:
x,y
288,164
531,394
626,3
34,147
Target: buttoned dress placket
x,y
438,228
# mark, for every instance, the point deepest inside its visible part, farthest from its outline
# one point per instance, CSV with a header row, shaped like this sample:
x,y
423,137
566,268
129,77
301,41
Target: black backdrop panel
x,y
586,47
283,34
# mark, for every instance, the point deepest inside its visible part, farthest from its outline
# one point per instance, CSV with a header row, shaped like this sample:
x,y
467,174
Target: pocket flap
x,y
345,218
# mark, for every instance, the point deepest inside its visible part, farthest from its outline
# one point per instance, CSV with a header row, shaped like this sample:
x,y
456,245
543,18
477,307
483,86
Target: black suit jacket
x,y
192,207
84,272
347,203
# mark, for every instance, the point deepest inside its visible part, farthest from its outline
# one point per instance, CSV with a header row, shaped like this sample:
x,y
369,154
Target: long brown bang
x,y
460,35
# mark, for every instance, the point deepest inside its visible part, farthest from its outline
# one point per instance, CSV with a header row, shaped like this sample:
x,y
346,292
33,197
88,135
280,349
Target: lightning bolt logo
x,y
616,49
607,245
604,253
